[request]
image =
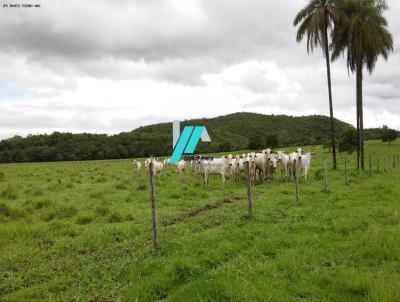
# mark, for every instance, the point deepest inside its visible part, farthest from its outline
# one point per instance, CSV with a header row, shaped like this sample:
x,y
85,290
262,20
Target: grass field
x,y
81,231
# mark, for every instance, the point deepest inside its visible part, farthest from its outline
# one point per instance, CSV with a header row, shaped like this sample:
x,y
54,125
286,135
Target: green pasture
x,y
81,231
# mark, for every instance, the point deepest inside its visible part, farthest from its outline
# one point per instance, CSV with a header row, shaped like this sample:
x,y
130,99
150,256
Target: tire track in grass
x,y
202,210
205,209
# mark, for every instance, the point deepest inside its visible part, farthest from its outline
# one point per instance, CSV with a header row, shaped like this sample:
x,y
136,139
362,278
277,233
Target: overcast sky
x,y
111,66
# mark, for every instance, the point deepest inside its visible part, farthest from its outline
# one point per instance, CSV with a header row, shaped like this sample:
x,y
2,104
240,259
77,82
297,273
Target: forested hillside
x,y
228,133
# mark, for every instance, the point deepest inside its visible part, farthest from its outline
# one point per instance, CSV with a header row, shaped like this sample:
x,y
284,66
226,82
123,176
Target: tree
x,y
256,141
225,146
315,20
272,141
327,145
348,140
284,137
361,32
388,135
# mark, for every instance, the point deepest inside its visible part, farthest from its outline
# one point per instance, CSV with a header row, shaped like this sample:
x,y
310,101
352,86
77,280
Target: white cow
x,y
238,166
273,164
180,166
294,163
251,159
146,164
305,163
267,151
299,150
283,163
137,165
157,166
195,163
216,166
261,160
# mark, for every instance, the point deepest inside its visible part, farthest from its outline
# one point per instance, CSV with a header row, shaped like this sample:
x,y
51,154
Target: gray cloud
x,y
48,53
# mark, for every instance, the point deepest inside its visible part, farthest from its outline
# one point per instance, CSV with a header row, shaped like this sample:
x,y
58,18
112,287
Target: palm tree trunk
x,y
360,116
362,121
358,128
328,71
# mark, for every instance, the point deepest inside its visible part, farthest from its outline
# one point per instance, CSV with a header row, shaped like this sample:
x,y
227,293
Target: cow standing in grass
x,y
218,166
157,166
238,166
272,166
283,163
294,163
305,164
181,166
137,165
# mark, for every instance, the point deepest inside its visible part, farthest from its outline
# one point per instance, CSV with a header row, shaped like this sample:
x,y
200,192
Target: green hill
x,y
228,133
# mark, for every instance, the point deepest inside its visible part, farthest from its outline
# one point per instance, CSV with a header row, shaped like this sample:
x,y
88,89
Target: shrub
x,y
348,140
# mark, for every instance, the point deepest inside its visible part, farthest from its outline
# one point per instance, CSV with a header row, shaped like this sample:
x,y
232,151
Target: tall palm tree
x,y
315,20
362,34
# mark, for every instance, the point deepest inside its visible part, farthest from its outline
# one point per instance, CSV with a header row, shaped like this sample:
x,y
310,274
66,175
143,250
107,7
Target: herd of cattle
x,y
262,166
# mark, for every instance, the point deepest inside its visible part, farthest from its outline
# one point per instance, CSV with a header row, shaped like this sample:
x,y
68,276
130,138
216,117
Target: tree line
x,y
238,131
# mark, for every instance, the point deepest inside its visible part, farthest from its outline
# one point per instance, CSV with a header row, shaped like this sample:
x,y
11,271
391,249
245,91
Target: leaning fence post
x,y
153,205
370,167
296,181
326,190
346,172
249,191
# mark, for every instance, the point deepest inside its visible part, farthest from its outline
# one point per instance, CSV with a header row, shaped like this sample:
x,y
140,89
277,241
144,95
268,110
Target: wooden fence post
x,y
153,206
326,189
346,172
249,191
296,181
370,166
394,161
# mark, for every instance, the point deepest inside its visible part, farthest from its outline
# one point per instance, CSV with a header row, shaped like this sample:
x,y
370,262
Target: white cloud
x,y
104,66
